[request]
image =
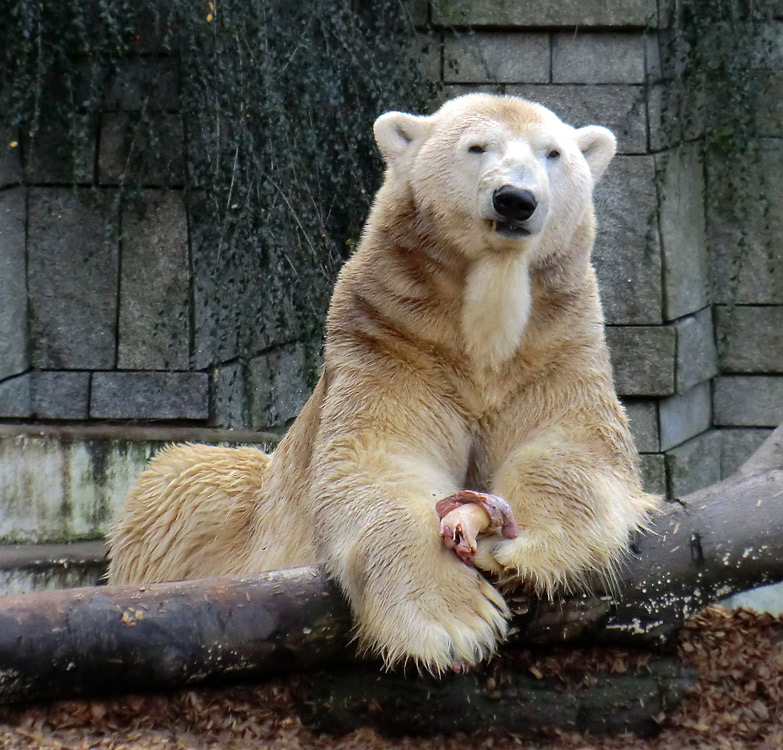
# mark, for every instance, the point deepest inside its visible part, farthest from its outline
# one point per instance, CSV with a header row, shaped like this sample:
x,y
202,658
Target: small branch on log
x,y
715,542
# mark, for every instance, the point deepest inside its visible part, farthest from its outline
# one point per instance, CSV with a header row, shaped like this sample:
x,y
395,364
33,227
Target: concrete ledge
x,y
136,433
38,556
29,568
68,483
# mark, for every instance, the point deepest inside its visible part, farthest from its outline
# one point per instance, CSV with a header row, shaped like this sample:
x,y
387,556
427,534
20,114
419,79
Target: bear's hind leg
x,y
190,515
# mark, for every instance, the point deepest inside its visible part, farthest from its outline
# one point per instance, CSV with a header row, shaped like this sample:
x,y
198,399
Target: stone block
x,y
229,388
622,109
653,61
157,30
62,153
10,158
428,50
13,283
745,224
15,400
72,278
666,13
34,568
627,253
642,359
57,394
683,234
217,310
653,470
56,491
154,322
148,151
150,395
643,419
769,45
659,137
694,464
738,445
280,382
748,400
697,359
452,90
768,102
685,416
496,57
750,339
69,483
140,82
677,115
418,11
606,57
526,13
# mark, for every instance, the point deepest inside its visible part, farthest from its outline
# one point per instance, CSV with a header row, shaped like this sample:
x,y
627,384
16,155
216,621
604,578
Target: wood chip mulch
x,y
737,705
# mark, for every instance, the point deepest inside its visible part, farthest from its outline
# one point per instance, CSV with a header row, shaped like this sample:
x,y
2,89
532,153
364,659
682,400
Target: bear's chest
x,y
495,310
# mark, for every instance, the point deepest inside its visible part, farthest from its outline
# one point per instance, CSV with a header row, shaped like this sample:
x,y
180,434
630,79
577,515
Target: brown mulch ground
x,y
738,704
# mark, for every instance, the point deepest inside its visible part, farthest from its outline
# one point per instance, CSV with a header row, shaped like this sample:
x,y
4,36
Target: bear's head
x,y
494,173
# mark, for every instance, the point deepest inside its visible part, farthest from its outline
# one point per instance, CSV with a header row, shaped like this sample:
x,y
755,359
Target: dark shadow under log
x,y
726,538
501,695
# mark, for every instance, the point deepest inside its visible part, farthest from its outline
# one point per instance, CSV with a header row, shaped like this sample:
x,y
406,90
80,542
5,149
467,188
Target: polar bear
x,y
464,437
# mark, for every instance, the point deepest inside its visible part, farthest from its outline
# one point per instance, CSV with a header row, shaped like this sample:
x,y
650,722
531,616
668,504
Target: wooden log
x,y
704,547
500,695
102,639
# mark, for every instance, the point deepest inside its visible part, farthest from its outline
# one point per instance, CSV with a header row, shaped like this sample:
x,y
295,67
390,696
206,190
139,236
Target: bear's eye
x,y
553,154
476,149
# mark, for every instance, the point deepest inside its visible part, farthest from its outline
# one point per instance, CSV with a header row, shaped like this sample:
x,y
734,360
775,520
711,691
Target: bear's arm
x,y
388,449
575,491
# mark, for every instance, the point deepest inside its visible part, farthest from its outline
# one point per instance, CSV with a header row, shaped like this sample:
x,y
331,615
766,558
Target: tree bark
x,y
704,547
102,639
714,542
499,695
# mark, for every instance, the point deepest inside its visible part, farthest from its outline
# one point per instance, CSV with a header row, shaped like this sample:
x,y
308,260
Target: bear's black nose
x,y
513,204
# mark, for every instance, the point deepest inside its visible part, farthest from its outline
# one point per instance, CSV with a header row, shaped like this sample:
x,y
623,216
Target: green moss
x,y
274,102
720,89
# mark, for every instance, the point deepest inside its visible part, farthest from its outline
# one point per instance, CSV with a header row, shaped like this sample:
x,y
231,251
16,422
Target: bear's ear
x,y
398,134
597,145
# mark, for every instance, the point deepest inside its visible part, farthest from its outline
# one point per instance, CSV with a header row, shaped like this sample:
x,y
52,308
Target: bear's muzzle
x,y
514,206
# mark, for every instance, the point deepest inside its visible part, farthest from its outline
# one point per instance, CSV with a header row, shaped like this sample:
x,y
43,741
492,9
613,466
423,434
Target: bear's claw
x,y
466,514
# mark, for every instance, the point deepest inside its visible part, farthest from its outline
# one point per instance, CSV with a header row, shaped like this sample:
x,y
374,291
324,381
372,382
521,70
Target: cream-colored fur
x,y
461,353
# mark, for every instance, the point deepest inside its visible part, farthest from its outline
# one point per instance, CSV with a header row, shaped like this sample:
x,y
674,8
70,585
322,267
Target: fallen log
x,y
503,694
101,639
715,542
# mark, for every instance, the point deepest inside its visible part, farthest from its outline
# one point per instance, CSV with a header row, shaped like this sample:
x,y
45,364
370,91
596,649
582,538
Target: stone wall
x,y
692,291
100,314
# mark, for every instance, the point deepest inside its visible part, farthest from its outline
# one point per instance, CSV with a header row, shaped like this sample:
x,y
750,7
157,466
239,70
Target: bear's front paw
x,y
547,563
453,623
465,515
